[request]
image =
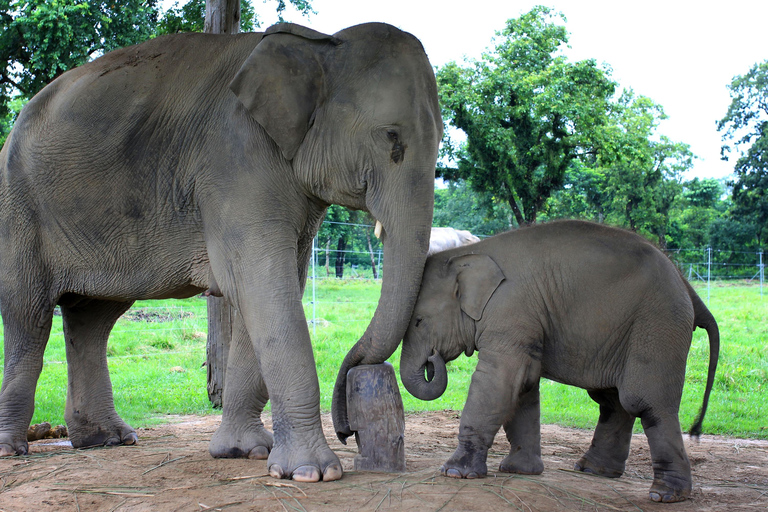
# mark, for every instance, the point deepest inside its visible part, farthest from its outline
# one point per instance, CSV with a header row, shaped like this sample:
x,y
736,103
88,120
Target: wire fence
x,y
363,262
707,265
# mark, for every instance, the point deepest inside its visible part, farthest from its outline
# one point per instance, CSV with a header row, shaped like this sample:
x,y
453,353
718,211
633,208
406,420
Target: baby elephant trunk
x,y
425,377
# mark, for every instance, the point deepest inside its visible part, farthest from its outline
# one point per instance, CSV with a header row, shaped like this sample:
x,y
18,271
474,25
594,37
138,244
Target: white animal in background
x,y
448,238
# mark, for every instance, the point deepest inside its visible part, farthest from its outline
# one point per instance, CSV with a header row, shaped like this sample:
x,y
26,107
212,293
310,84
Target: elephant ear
x,y
477,277
281,82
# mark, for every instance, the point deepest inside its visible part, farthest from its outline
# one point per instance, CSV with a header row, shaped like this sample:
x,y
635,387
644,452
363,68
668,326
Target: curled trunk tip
x,y
427,379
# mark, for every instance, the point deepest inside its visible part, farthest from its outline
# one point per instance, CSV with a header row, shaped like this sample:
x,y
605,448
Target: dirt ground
x,y
170,470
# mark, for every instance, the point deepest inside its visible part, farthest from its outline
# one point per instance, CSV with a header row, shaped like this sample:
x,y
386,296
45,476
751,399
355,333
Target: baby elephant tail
x,y
704,319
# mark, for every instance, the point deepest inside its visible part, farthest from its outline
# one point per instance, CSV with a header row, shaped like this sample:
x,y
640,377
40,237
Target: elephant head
x,y
454,293
357,115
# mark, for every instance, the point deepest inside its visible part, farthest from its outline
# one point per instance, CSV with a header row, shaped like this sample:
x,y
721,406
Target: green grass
x,y
157,351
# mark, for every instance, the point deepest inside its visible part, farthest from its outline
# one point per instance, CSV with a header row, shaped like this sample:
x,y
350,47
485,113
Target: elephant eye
x,y
418,321
398,148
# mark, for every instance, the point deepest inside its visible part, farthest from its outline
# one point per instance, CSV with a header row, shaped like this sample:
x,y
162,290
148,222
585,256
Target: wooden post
x,y
376,415
221,17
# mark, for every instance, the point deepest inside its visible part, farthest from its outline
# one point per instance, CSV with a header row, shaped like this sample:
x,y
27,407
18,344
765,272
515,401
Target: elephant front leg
x,y
609,450
492,398
242,433
300,450
268,300
523,432
90,409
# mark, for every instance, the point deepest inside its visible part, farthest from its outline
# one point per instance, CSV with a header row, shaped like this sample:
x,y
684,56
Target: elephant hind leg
x,y
242,433
671,468
27,326
90,410
607,455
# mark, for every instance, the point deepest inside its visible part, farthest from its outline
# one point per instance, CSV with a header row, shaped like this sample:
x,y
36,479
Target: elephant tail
x,y
704,319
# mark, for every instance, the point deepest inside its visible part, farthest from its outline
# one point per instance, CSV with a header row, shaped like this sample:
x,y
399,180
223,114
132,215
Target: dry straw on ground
x,y
170,469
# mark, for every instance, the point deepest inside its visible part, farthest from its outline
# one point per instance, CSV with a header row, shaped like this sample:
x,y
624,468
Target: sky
x,y
680,53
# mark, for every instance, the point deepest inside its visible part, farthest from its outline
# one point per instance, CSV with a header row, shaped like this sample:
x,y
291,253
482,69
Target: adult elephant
x,y
206,162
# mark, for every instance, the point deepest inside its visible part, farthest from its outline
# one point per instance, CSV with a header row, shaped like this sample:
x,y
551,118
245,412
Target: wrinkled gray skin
x,y
577,303
206,162
442,239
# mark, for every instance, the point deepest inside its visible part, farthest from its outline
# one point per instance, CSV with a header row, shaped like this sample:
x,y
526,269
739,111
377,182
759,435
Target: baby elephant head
x,y
453,296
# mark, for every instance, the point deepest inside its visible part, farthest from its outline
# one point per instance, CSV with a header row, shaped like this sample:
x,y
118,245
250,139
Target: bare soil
x,y
170,470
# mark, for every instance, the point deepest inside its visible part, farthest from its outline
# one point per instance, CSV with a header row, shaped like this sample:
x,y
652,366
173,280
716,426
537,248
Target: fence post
x,y
314,287
709,270
761,268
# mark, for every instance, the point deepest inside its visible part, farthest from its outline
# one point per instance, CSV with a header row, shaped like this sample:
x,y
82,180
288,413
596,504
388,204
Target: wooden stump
x,y
217,347
376,415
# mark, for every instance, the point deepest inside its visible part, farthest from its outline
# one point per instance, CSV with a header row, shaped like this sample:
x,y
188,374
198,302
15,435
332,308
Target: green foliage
x,y
695,211
527,113
643,171
150,382
346,241
190,17
745,125
457,206
41,39
6,123
634,178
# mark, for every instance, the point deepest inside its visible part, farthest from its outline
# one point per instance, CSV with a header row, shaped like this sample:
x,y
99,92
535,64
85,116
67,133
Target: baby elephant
x,y
575,302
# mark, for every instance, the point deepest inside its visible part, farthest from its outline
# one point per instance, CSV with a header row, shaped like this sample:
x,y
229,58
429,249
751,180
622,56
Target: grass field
x,y
157,350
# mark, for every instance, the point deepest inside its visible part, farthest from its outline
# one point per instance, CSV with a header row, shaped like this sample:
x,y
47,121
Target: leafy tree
x,y
745,126
527,113
583,195
643,172
334,230
41,39
190,17
695,211
459,207
345,239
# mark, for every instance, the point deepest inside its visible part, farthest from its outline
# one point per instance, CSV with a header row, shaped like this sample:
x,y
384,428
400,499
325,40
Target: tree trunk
x,y
217,349
373,259
221,17
341,248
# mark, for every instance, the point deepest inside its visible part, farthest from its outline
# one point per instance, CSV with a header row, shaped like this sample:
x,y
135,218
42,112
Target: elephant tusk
x,y
377,229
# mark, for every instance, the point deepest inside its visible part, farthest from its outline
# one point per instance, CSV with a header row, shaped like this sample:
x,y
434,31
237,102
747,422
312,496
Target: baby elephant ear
x,y
477,277
281,82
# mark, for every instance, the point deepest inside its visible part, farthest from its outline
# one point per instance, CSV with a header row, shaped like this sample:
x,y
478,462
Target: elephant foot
x,y
10,445
660,492
670,486
605,470
523,463
304,465
252,442
466,464
86,435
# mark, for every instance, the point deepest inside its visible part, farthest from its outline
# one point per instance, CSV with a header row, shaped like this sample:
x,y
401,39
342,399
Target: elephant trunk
x,y
405,248
423,375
